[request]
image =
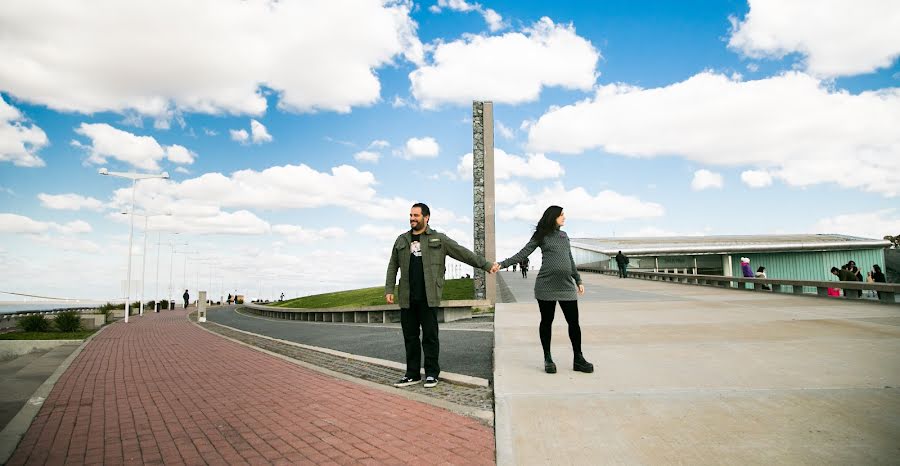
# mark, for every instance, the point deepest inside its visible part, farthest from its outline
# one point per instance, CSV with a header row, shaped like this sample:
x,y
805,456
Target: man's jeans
x,y
623,271
420,315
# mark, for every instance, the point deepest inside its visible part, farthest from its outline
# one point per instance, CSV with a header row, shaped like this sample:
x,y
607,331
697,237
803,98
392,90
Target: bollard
x,y
201,307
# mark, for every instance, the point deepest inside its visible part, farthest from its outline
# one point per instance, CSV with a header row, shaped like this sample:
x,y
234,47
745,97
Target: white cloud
x,y
756,178
535,166
653,231
275,188
208,63
14,223
68,243
367,156
793,126
179,154
19,143
513,68
578,203
299,234
139,151
379,144
210,132
705,179
239,135
877,224
258,133
510,193
69,201
491,17
504,130
182,170
379,232
425,147
205,221
838,37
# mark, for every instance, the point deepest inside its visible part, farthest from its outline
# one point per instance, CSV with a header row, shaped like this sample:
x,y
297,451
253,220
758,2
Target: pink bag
x,y
834,292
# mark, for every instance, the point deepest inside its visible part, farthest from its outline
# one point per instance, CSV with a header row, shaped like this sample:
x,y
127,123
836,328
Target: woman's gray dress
x,y
558,277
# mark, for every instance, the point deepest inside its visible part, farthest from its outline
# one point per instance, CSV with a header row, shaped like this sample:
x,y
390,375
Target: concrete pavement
x,y
699,375
160,390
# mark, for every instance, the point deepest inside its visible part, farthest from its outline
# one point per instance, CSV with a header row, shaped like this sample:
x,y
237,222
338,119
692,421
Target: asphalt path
x,y
464,350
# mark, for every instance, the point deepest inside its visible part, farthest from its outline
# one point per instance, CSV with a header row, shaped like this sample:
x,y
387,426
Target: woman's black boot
x,y
549,365
581,365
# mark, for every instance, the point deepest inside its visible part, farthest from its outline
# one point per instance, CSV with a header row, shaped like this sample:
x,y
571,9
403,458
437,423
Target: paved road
x,y
160,390
463,350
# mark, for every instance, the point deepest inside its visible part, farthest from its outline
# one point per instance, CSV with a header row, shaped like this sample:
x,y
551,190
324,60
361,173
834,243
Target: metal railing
x,y
887,292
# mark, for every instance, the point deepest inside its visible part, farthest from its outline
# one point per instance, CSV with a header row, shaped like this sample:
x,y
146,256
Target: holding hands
x,y
495,268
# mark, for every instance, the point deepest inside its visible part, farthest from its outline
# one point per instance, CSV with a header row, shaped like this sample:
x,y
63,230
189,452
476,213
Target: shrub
x,y
68,321
34,323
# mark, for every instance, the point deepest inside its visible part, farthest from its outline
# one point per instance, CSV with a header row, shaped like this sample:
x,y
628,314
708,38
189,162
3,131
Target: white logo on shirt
x,y
416,249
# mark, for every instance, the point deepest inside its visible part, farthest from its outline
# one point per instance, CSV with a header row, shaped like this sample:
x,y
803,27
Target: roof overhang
x,y
699,250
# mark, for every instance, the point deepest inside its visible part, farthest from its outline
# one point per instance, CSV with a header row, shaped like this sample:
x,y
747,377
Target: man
x,y
524,267
622,261
419,254
187,298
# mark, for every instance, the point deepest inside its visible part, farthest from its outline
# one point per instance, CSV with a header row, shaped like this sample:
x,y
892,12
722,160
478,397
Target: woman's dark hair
x,y
761,269
547,223
834,270
877,268
426,212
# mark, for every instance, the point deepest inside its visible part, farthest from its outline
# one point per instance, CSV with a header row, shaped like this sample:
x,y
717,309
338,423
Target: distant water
x,y
6,308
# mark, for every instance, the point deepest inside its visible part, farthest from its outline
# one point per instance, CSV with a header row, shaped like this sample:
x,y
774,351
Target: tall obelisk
x,y
483,186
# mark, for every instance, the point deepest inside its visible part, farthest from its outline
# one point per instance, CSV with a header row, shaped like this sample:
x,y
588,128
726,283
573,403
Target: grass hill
x,y
460,288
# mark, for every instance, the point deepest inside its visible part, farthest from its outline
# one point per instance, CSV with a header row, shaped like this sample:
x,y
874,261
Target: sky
x,y
297,134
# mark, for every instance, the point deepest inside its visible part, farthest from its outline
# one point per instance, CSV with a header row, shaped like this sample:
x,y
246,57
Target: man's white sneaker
x,y
406,381
430,382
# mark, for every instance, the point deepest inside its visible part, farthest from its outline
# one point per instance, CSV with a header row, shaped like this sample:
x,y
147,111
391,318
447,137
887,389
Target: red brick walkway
x,y
160,390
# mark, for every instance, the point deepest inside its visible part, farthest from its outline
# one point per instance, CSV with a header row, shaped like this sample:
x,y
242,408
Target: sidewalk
x,y
161,390
699,375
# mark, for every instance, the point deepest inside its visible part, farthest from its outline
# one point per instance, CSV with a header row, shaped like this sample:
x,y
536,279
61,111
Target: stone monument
x,y
483,186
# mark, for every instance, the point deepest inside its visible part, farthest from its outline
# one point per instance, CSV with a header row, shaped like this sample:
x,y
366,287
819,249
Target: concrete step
x,y
10,367
23,375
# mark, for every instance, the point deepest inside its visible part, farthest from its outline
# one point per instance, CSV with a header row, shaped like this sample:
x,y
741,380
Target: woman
x,y
878,277
558,280
761,273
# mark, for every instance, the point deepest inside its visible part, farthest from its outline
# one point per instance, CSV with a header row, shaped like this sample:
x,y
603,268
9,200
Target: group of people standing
x,y
419,255
849,272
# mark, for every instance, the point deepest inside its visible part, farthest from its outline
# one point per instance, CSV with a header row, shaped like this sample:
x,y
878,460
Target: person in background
x,y
846,275
187,298
524,266
745,268
878,277
622,262
836,292
761,273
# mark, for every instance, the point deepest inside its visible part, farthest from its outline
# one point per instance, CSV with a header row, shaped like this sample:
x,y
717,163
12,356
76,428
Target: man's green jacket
x,y
435,247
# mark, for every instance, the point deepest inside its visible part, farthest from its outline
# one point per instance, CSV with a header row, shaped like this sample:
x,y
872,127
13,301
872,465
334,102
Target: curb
x,y
18,425
483,415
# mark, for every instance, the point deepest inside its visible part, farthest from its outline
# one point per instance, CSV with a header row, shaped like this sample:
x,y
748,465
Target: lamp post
x,y
134,177
147,216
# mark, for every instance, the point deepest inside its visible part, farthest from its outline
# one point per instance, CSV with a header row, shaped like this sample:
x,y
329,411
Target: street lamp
x,y
134,177
147,216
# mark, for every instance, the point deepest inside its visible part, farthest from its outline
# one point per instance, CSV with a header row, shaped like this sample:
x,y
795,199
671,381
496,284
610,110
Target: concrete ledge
x,y
13,348
450,310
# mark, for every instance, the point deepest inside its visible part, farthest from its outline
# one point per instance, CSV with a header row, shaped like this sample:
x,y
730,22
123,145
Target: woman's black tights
x,y
570,311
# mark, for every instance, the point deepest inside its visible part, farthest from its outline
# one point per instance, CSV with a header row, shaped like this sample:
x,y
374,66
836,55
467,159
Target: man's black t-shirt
x,y
416,272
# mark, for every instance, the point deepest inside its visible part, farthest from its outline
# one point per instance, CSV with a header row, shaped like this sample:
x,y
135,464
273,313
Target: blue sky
x,y
296,134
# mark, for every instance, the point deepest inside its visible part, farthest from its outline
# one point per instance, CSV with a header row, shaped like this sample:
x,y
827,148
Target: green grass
x,y
460,288
47,335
